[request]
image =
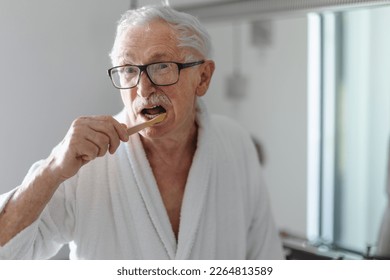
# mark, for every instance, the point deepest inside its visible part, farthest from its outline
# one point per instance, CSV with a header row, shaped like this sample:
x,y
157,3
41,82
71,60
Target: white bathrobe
x,y
112,208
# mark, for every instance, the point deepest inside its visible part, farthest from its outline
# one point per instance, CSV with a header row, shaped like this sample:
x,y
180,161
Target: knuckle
x,y
78,121
93,152
102,139
106,118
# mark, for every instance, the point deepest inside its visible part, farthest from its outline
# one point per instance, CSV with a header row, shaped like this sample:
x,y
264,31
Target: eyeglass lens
x,y
159,73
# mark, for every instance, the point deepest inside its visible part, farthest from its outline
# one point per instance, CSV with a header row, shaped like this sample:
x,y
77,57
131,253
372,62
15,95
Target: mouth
x,y
152,112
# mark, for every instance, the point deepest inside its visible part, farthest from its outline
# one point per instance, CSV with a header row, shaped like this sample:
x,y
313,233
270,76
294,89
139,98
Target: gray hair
x,y
191,34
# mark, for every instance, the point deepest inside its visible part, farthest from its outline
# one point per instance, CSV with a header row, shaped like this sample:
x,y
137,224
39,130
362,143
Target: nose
x,y
145,87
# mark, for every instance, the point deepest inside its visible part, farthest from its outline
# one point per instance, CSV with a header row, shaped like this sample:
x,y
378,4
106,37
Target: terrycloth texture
x,y
112,208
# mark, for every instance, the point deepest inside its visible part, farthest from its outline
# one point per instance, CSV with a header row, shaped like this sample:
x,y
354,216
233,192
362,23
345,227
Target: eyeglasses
x,y
159,73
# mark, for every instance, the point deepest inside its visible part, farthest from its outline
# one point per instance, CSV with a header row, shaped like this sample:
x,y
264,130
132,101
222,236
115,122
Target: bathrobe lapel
x,y
197,188
147,187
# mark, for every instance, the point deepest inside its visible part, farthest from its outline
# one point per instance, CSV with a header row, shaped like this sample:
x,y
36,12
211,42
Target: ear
x,y
206,72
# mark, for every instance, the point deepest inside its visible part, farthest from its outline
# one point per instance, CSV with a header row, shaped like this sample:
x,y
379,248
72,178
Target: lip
x,y
148,117
151,111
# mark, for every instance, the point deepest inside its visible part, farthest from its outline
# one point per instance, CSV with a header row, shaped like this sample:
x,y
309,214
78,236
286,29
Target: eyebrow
x,y
159,56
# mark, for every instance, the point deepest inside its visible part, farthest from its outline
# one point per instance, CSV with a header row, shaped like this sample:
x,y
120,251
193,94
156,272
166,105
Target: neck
x,y
173,152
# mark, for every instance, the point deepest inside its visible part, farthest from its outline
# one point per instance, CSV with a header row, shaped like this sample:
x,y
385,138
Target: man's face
x,y
156,42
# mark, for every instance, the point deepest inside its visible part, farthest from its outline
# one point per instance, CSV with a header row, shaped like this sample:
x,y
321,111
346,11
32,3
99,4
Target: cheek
x,y
185,103
127,99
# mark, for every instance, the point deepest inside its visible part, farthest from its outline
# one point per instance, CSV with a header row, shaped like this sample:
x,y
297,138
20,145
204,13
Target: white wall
x,y
54,56
273,107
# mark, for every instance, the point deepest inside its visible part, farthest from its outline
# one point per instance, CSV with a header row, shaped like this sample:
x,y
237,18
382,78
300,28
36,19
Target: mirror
x,y
326,157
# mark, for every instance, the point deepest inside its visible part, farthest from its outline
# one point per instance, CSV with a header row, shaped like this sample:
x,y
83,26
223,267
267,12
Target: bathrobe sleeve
x,y
263,237
262,241
43,238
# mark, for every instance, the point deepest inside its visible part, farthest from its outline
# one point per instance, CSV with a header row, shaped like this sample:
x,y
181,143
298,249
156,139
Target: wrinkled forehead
x,y
156,40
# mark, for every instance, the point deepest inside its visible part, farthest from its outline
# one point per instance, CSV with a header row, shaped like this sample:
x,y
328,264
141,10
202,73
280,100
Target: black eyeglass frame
x,y
143,68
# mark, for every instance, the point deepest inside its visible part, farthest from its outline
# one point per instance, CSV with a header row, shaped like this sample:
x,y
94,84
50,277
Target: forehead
x,y
147,43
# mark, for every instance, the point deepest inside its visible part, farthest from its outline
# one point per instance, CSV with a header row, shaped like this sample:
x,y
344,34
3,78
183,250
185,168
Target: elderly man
x,y
187,187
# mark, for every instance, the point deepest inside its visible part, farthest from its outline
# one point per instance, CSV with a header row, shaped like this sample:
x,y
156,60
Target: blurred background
x,y
308,79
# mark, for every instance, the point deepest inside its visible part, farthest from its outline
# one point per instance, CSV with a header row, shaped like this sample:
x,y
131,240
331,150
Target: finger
x,y
117,132
92,130
121,129
104,127
87,151
99,129
101,140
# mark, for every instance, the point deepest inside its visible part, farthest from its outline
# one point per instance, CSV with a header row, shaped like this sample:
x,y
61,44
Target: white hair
x,y
190,32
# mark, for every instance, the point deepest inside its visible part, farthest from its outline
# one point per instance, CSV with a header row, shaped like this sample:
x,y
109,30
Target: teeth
x,y
151,116
152,111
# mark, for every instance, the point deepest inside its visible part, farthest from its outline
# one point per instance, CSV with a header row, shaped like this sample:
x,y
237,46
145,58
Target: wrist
x,y
50,172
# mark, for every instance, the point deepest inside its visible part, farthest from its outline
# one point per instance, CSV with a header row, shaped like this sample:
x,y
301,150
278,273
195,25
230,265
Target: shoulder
x,y
226,125
236,151
234,142
230,131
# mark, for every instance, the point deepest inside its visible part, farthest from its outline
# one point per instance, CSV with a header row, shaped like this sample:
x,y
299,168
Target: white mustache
x,y
155,99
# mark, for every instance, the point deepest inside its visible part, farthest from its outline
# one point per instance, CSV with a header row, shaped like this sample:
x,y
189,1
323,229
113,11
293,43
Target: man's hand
x,y
87,138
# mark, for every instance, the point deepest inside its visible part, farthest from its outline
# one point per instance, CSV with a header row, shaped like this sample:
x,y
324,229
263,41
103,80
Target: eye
x,y
130,70
162,66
